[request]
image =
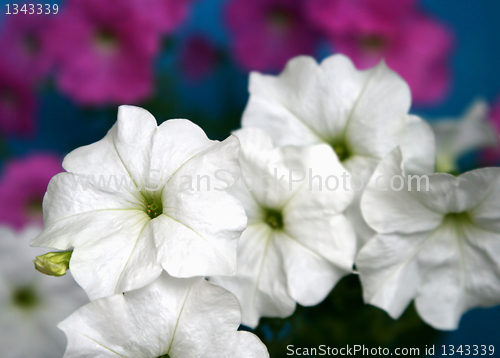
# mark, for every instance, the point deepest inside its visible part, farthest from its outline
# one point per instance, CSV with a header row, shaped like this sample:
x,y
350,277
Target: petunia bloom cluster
x,y
126,210
329,172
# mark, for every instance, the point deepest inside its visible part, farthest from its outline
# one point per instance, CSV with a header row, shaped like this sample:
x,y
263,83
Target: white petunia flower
x,y
31,304
143,199
362,115
298,243
457,136
174,318
440,247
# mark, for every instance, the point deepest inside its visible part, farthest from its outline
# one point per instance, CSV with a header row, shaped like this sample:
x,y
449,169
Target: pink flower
x,y
345,16
491,157
22,187
105,52
198,57
17,103
23,45
267,33
413,44
165,15
495,114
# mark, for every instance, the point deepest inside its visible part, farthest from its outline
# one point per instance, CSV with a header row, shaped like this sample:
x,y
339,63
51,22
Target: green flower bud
x,y
53,263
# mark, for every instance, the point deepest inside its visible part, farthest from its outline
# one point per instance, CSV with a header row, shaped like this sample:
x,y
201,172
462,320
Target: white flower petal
x,y
364,232
457,136
183,252
418,147
379,114
179,317
322,185
313,216
387,210
239,344
331,237
482,266
310,277
201,226
246,198
342,87
477,130
213,169
142,266
442,296
260,280
288,106
176,142
264,170
123,151
479,191
388,271
69,195
86,228
103,271
361,169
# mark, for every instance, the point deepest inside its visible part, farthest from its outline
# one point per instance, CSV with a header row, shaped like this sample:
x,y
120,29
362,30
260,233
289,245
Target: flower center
x,y
8,100
34,208
25,297
279,19
153,205
456,223
164,356
31,44
373,43
341,149
457,217
274,218
106,41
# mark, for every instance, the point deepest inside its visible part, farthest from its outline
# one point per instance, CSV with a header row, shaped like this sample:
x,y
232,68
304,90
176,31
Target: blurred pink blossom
x,y
495,114
22,187
165,15
23,45
413,44
17,103
491,157
267,33
343,17
198,57
105,51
